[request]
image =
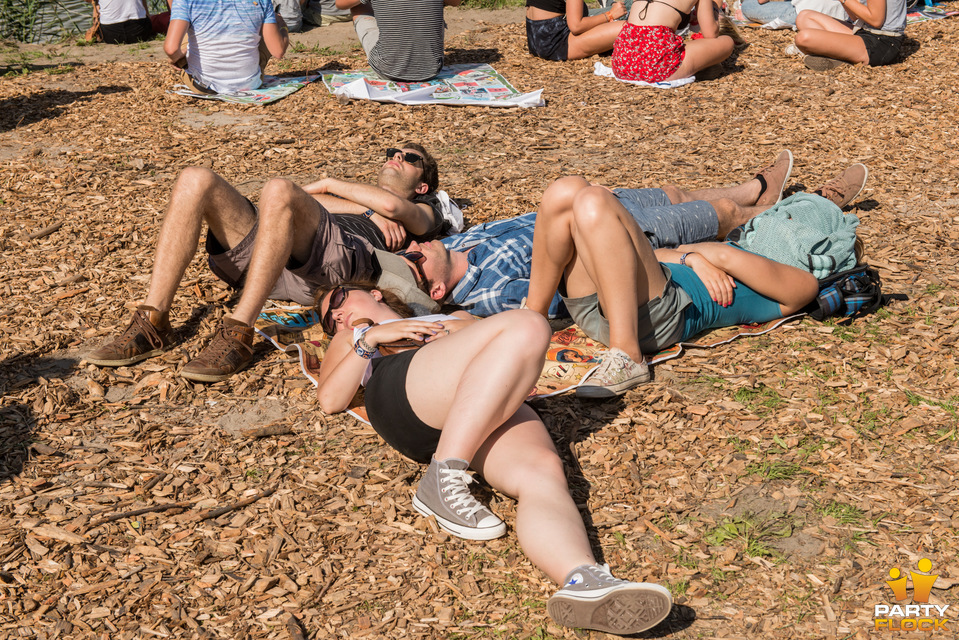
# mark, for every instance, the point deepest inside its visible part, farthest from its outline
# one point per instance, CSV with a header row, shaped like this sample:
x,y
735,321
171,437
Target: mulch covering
x,y
771,483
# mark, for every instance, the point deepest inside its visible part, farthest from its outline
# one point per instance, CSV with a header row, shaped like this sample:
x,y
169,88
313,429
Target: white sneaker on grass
x,y
591,598
616,374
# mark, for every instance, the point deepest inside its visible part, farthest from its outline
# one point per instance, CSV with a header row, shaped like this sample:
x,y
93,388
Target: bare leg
x,y
519,460
289,218
731,215
822,35
552,247
471,382
744,194
597,40
600,249
615,260
703,53
199,195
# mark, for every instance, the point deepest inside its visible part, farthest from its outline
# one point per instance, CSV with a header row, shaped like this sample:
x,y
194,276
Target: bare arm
x,y
276,37
174,38
416,218
707,18
346,4
872,13
791,287
342,370
579,22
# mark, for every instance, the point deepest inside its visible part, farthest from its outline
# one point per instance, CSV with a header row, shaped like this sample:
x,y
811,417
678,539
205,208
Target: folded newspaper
x,y
458,84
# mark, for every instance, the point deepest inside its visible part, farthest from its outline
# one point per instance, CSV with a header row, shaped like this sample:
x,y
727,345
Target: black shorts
x,y
390,412
882,49
127,32
548,38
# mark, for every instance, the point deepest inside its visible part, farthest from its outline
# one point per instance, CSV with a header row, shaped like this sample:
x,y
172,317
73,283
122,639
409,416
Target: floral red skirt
x,y
647,53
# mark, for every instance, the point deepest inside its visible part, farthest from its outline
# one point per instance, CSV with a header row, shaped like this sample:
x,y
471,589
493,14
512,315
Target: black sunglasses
x,y
407,156
337,297
417,258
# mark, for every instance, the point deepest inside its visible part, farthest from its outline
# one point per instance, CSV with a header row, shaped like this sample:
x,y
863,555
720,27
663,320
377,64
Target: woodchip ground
x,y
770,484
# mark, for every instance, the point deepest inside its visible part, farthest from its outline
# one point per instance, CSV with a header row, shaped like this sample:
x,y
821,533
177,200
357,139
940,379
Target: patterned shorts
x,y
650,54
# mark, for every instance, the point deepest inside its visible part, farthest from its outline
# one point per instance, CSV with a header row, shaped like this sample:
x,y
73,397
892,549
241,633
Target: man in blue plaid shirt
x,y
486,269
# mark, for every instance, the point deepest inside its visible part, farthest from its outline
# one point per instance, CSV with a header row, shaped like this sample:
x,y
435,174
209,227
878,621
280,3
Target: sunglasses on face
x,y
338,297
417,259
407,156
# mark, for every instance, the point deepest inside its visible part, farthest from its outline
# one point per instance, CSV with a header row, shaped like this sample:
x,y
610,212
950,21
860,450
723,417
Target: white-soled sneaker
x,y
444,493
591,598
616,374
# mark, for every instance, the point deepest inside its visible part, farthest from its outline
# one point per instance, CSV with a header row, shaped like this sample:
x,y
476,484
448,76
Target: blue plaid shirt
x,y
500,256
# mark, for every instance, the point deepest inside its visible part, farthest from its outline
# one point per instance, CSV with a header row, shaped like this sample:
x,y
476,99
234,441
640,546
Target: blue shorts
x,y
666,224
747,307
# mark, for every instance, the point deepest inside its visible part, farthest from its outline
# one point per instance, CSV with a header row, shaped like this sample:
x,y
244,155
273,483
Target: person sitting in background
x,y
322,13
126,21
459,402
564,30
649,48
875,38
768,12
403,39
292,13
229,43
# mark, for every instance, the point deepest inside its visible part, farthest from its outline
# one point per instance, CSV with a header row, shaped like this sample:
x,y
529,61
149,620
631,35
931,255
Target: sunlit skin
x,y
589,35
822,35
471,381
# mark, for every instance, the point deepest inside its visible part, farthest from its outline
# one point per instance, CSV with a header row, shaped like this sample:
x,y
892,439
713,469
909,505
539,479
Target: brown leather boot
x,y
230,351
149,334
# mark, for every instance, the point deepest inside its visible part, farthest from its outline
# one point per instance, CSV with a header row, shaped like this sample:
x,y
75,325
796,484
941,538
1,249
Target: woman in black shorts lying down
x,y
564,30
458,402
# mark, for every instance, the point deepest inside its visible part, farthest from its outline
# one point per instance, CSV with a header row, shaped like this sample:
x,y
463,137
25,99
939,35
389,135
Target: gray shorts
x,y
660,319
337,257
669,225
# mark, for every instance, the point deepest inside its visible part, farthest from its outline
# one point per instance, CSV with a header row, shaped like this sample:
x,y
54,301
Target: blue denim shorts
x,y
669,225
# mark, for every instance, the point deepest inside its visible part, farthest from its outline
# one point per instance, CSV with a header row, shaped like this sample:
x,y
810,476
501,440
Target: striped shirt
x,y
410,47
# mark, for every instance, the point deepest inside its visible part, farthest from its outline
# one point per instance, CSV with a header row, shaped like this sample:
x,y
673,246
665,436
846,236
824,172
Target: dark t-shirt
x,y
553,6
365,228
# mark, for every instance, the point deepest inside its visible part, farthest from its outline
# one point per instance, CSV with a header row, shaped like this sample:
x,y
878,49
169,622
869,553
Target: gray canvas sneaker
x,y
591,598
444,493
615,375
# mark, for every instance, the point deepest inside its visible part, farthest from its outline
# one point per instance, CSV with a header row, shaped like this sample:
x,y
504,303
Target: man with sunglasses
x,y
486,270
299,239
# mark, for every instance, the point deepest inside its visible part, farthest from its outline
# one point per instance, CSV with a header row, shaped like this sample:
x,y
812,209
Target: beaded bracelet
x,y
363,349
682,260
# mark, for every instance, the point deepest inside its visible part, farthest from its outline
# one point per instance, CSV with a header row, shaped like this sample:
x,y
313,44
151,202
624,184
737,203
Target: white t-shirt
x,y
223,41
117,11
